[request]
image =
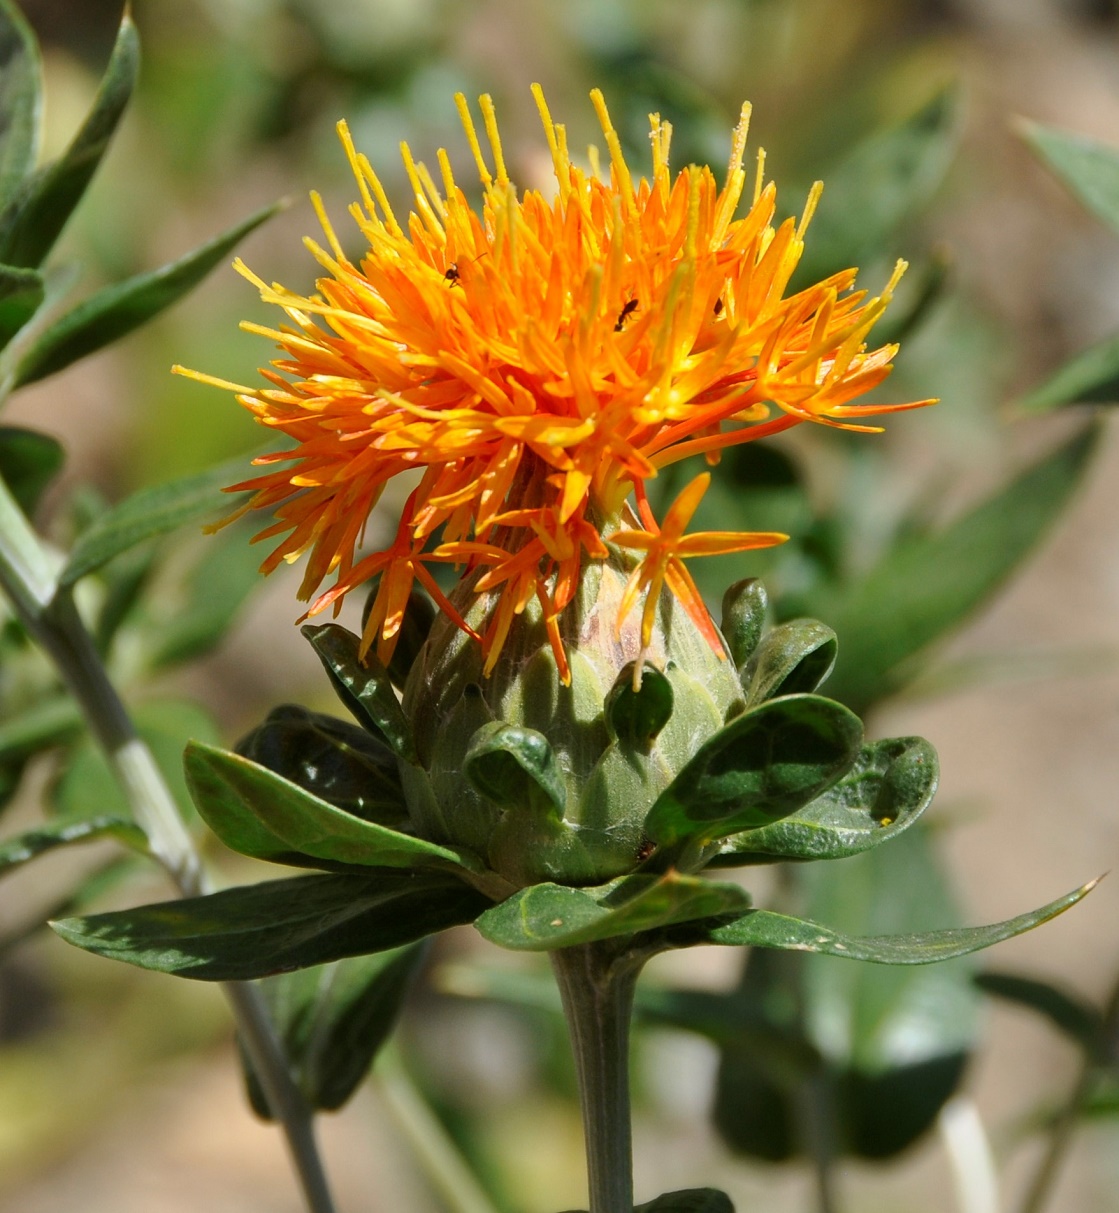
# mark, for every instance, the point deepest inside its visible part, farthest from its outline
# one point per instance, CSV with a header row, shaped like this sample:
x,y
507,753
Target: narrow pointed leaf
x,y
765,929
1090,377
150,512
547,916
884,179
332,1021
690,1200
257,930
364,686
20,99
236,797
1070,1014
21,295
32,843
29,461
763,765
1089,168
926,586
793,658
118,309
884,793
39,211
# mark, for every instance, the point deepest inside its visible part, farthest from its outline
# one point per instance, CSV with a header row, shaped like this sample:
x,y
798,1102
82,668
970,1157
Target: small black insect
x,y
627,311
718,307
452,275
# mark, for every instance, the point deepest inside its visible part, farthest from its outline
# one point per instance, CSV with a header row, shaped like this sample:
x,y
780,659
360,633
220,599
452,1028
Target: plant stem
x,y
596,983
442,1162
1063,1128
815,1105
52,620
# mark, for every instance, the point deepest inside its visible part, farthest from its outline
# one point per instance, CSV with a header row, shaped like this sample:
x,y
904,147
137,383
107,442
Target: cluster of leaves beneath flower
x,y
788,777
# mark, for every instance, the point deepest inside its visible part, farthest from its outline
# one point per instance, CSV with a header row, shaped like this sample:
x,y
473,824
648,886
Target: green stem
x,y
51,619
816,1114
597,983
441,1159
1063,1128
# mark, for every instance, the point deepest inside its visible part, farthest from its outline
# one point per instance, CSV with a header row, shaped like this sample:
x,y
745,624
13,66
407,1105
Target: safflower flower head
x,y
537,363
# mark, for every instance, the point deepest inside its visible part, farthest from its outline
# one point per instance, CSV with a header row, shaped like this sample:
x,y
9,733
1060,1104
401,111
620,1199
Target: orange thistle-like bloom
x,y
538,362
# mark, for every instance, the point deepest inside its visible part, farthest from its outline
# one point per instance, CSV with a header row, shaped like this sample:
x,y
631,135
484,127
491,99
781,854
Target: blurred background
x,y
119,1089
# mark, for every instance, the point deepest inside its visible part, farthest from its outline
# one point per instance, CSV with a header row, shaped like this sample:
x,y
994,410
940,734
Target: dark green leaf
x,y
87,786
516,768
635,717
548,916
21,294
765,929
248,807
363,686
333,760
691,1200
257,930
118,309
1066,1012
29,461
32,843
20,100
744,609
763,765
870,193
332,1021
926,586
150,512
793,658
1092,376
888,788
419,615
1089,168
39,211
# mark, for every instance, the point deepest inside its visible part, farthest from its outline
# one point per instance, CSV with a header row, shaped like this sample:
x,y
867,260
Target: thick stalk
x,y
52,620
596,984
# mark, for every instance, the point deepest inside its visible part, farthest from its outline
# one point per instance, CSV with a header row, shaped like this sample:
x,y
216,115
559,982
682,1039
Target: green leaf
x,y
766,929
515,767
21,295
1069,1013
32,843
927,585
763,765
333,1020
548,916
257,930
690,1200
884,179
150,512
29,461
20,100
794,657
39,211
888,788
236,798
744,610
47,723
333,760
363,686
87,786
118,309
635,717
1090,377
1089,168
